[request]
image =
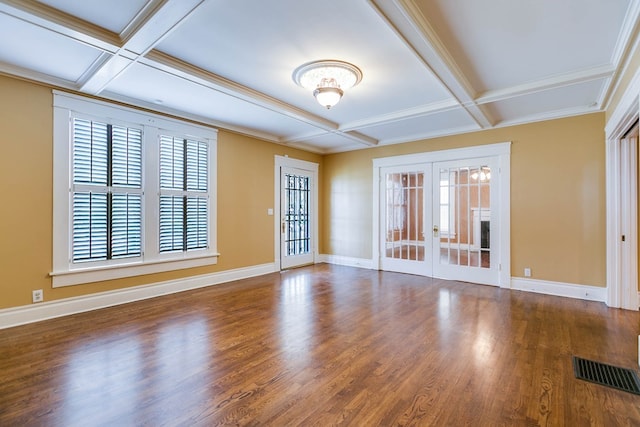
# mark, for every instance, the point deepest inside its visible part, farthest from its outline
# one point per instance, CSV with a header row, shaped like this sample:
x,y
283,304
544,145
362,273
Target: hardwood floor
x,y
322,345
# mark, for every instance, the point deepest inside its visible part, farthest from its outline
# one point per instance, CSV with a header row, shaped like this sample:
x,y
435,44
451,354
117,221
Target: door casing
x,y
311,168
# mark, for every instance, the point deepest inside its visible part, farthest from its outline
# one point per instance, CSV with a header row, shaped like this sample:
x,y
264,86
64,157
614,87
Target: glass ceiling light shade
x,y
328,79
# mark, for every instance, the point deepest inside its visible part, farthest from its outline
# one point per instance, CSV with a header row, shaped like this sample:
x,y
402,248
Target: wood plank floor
x,y
322,345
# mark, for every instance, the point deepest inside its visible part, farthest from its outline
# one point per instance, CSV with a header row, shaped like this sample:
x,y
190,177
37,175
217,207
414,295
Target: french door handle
x,y
435,231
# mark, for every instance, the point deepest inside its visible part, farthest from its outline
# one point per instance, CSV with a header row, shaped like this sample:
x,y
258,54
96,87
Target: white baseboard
x,y
590,293
48,310
347,261
570,290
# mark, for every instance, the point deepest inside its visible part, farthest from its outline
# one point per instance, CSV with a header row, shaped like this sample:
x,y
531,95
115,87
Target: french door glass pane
x,y
465,214
404,216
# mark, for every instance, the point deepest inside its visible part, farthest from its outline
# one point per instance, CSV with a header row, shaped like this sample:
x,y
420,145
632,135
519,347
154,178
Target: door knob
x,y
435,231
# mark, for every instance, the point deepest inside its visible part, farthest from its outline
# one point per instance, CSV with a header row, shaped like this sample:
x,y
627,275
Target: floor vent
x,y
607,375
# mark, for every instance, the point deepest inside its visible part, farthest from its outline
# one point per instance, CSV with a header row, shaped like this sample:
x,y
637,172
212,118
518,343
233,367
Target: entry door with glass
x,y
403,214
465,207
296,217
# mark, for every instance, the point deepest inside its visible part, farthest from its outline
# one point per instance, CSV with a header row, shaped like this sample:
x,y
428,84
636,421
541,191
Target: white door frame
x,y
500,150
622,203
312,168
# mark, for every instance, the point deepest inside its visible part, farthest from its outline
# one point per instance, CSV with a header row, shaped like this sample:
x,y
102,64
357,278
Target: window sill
x,y
98,274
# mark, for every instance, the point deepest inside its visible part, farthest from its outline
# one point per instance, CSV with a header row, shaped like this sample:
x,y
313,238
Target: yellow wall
x,y
557,196
245,192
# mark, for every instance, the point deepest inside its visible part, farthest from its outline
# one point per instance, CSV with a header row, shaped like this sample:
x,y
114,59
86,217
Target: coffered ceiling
x,y
430,67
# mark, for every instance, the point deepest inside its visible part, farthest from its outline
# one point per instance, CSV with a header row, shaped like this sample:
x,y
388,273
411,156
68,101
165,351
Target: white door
x,y
465,232
296,217
403,216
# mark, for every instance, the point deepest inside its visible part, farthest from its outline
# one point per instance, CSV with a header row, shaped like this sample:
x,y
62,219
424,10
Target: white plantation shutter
x,y
171,223
107,191
184,194
89,226
126,225
197,222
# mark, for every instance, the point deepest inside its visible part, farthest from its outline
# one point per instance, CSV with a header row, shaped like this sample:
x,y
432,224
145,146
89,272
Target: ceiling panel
x,y
38,49
578,97
441,123
328,142
502,43
112,15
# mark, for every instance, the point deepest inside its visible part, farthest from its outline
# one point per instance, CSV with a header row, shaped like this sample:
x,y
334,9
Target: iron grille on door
x,y
296,218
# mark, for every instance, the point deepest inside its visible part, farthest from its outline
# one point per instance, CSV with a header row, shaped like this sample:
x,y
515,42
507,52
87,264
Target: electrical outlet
x,y
527,272
37,295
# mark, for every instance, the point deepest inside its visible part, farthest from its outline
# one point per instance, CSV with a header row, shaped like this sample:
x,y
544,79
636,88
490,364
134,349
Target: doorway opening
x,y
295,216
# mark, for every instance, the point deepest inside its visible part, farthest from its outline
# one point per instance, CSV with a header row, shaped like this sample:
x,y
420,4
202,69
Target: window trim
x,y
65,272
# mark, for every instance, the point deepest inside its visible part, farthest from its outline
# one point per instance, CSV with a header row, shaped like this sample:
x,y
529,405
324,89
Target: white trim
x,y
504,215
285,161
621,175
16,316
488,150
97,107
347,261
48,310
559,289
89,275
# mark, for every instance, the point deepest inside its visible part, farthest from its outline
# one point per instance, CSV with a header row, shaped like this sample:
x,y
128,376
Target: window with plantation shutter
x,y
134,192
107,191
183,194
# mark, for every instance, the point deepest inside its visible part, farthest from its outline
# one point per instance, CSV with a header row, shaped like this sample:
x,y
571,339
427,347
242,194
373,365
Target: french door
x,y
465,208
403,219
444,218
296,217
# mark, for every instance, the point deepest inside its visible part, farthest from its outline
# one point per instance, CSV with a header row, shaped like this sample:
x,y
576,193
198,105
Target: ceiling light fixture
x,y
328,79
484,174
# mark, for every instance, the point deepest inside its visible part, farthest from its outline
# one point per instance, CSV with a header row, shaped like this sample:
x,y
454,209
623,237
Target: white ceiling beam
x,y
144,32
406,19
189,116
396,116
554,82
627,43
